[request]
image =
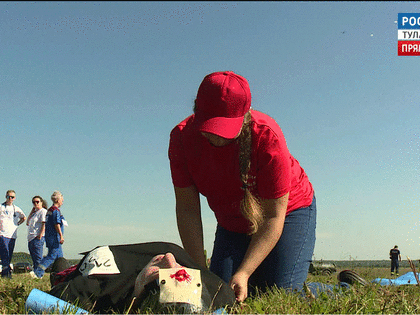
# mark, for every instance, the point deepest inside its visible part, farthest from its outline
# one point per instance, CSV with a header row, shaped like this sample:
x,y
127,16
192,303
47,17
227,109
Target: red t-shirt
x,y
215,170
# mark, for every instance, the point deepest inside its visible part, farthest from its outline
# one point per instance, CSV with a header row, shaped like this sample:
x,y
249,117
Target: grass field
x,y
369,299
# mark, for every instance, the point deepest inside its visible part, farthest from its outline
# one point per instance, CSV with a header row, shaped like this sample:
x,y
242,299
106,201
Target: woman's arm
x,y
262,242
190,227
30,214
41,233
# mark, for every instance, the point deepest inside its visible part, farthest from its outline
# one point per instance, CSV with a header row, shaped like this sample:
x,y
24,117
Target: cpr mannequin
x,y
156,275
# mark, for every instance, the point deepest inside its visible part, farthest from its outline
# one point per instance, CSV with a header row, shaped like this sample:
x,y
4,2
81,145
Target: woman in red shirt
x,y
262,199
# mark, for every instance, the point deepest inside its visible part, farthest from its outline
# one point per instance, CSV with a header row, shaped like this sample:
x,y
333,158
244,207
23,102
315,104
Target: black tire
x,y
351,277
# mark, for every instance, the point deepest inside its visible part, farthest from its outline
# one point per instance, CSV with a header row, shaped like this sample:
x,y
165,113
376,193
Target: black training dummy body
x,y
113,292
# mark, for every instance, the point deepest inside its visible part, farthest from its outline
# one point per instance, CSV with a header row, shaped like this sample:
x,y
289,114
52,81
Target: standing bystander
x,y
11,217
395,256
36,229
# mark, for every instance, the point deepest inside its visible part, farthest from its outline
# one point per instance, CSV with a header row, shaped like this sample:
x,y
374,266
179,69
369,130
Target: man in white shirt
x,y
11,217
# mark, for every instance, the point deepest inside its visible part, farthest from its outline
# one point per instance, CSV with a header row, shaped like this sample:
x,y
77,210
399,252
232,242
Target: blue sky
x,y
89,92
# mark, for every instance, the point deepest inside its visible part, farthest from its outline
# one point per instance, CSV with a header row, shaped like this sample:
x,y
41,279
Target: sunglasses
x,y
10,197
35,202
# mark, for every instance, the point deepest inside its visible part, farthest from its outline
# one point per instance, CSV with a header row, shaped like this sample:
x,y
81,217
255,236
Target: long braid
x,y
250,205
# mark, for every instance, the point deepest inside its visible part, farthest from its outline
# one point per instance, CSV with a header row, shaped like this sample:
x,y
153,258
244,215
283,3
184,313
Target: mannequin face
x,y
179,289
151,271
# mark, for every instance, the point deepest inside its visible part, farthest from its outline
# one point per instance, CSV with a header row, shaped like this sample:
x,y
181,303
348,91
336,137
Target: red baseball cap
x,y
223,99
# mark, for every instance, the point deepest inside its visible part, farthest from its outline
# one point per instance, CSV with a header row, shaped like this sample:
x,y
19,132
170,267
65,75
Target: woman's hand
x,y
239,284
261,244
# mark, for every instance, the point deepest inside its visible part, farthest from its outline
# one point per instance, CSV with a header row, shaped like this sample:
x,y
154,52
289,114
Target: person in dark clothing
x,y
395,256
127,278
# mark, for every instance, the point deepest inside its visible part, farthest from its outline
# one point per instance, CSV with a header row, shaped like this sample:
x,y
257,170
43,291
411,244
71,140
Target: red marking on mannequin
x,y
181,275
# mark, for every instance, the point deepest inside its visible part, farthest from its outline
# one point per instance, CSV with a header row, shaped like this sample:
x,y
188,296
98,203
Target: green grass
x,y
372,299
15,291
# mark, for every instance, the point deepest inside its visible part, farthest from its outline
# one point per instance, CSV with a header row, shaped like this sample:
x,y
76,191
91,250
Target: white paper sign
x,y
99,261
180,285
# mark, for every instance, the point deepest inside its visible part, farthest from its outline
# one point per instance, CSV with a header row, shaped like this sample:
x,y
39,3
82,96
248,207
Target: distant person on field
x,y
36,229
395,256
53,234
11,217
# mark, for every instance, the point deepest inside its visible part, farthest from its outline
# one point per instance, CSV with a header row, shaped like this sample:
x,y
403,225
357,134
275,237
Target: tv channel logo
x,y
408,34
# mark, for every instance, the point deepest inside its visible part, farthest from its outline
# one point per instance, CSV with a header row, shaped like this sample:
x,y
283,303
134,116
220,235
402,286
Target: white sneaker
x,y
33,275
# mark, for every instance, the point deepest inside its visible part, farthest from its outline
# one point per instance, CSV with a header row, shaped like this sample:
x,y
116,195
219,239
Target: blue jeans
x,y
7,246
287,264
36,248
53,254
395,265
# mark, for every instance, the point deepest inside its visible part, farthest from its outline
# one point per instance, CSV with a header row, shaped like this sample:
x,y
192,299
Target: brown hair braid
x,y
250,205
